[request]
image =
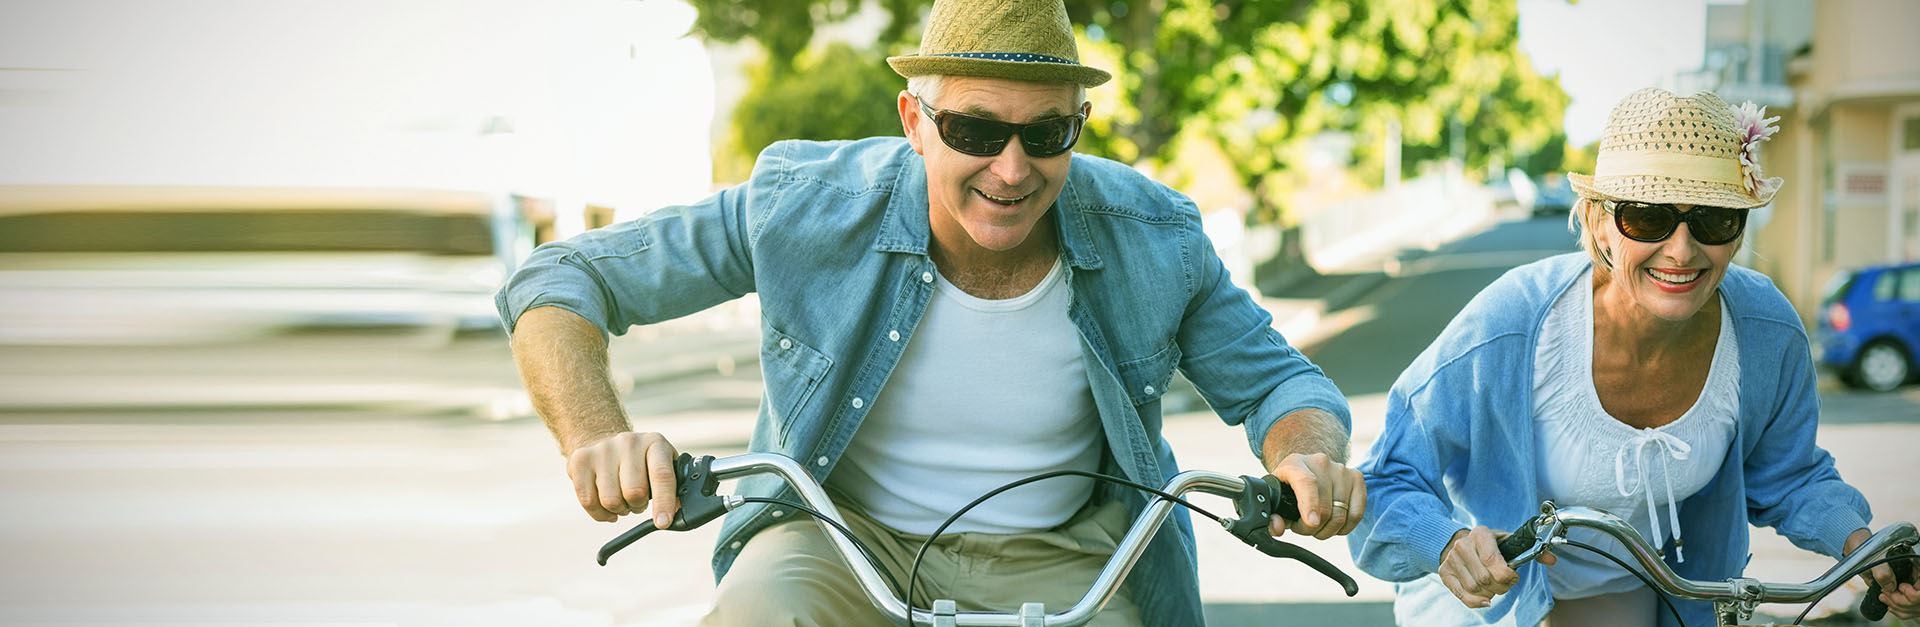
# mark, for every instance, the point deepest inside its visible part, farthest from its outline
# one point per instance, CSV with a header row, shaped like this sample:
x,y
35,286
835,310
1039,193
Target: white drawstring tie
x,y
1674,448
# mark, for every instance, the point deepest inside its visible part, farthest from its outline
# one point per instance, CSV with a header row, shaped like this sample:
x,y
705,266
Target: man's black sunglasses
x,y
1647,222
982,137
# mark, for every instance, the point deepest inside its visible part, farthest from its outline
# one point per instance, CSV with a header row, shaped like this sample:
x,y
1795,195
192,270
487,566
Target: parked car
x,y
1870,326
1556,197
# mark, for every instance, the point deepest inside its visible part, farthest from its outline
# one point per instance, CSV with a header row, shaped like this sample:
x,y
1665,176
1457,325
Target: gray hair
x,y
927,87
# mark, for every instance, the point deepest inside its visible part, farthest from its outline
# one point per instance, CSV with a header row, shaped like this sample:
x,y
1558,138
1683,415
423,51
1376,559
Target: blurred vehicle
x,y
1514,191
131,265
1869,325
1556,197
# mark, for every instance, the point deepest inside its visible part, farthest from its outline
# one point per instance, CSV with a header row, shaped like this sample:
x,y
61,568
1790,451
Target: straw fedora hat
x,y
1023,40
1697,150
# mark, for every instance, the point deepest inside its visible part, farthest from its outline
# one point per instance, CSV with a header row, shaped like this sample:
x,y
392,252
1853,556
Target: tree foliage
x,y
1256,78
835,92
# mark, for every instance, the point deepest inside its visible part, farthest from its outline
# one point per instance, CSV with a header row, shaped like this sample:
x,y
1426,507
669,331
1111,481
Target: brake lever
x,y
1259,500
1523,544
695,484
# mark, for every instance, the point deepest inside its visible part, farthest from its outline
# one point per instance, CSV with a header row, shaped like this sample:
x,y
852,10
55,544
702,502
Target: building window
x,y
1912,134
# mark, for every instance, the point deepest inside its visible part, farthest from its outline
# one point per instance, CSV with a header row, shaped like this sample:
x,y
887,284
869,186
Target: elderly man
x,y
942,314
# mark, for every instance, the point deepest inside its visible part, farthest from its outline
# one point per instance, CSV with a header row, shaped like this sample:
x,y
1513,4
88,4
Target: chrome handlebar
x,y
1550,527
699,478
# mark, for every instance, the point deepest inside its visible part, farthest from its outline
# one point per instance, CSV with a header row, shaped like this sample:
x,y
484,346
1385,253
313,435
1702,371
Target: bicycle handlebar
x,y
1550,527
1255,499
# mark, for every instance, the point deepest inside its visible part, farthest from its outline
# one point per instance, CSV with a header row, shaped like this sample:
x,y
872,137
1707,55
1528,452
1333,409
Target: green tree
x,y
835,92
1257,78
1580,158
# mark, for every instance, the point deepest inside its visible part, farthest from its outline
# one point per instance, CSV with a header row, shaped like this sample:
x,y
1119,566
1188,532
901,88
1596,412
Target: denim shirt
x,y
1458,451
833,237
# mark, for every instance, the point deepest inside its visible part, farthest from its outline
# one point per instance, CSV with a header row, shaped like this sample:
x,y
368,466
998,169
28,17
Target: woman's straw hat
x,y
1023,40
1698,150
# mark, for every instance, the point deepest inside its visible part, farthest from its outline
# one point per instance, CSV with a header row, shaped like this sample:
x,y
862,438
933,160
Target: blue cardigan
x,y
1458,451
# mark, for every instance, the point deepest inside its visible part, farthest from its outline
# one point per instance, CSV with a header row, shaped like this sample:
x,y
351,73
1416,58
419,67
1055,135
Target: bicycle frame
x,y
1734,600
698,480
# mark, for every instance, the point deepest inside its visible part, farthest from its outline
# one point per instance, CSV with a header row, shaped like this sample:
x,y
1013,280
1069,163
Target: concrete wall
x,y
1858,40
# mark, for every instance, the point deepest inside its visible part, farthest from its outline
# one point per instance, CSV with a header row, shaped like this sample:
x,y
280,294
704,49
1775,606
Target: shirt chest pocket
x,y
1147,378
792,371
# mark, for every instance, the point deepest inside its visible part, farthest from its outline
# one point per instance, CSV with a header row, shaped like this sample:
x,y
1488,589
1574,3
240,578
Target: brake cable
x,y
913,571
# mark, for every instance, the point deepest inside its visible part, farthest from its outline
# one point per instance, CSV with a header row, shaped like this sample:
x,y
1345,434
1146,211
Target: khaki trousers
x,y
789,574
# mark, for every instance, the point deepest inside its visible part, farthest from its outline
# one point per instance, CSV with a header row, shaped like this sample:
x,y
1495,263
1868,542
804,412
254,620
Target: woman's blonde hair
x,y
1580,221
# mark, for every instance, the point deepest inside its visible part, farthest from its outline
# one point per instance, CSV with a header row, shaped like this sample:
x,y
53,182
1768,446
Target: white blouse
x,y
1588,458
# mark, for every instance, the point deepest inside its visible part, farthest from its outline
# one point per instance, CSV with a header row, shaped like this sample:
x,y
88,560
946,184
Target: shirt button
x,y
735,546
893,336
857,403
785,343
778,513
1149,389
820,462
926,277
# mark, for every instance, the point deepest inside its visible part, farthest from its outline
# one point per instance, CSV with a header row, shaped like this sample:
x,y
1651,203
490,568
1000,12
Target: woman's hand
x,y
1902,599
1472,568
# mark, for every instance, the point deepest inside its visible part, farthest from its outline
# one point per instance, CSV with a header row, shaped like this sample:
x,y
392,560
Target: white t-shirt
x,y
1588,458
987,392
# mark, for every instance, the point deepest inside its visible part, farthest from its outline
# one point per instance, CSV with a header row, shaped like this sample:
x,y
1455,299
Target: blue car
x,y
1870,326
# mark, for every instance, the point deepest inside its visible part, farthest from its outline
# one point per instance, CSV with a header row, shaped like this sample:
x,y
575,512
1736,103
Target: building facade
x,y
1844,76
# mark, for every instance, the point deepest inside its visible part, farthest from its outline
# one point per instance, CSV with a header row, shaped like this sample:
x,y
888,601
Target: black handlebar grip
x,y
694,483
1870,606
1284,503
1517,542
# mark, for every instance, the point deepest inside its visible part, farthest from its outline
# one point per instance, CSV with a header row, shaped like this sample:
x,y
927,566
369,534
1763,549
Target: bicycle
x,y
1735,599
1255,499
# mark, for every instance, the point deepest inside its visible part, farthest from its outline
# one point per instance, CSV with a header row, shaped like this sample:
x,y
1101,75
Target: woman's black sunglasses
x,y
1646,222
982,137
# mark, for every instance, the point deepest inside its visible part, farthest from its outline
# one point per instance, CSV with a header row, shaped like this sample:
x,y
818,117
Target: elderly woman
x,y
1649,378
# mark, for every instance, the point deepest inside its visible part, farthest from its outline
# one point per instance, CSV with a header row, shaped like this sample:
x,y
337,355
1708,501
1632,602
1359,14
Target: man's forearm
x,y
1305,431
563,362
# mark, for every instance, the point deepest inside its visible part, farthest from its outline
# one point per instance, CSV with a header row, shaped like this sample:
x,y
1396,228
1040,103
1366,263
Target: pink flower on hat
x,y
1755,127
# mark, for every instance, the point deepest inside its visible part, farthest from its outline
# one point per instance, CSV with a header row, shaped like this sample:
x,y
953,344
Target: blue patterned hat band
x,y
1008,56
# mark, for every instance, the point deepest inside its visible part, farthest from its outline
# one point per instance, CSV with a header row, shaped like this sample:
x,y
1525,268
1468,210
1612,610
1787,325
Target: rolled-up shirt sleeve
x,y
670,263
1236,360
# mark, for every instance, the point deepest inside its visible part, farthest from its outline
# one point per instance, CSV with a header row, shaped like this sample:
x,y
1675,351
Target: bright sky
x,y
1605,49
604,101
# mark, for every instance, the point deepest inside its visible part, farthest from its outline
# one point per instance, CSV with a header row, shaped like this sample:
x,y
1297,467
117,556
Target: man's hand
x,y
1332,497
616,475
1902,599
563,360
1307,449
